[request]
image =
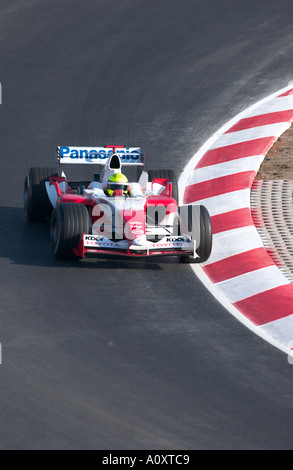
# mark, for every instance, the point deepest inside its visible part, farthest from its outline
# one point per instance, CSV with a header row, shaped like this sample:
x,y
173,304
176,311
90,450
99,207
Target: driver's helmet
x,y
117,185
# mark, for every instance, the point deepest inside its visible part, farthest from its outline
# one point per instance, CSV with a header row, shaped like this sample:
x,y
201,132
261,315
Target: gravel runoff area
x,y
278,164
272,204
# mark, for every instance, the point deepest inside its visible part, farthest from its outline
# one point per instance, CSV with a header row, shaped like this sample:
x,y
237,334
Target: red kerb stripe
x,y
235,151
238,264
218,186
262,120
232,220
268,306
287,93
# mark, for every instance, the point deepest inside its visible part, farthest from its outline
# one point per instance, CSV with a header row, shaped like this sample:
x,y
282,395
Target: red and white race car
x,y
139,219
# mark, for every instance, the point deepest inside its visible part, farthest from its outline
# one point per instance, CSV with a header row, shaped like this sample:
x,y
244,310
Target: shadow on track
x,y
28,244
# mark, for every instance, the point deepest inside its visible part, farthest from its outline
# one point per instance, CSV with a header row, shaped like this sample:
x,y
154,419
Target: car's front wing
x,y
171,246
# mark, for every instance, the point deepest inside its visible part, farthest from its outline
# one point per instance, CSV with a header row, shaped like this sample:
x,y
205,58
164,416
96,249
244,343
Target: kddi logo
x,y
175,239
91,238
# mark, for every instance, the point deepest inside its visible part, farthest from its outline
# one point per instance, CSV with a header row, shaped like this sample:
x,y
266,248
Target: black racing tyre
x,y
37,205
68,223
171,176
206,239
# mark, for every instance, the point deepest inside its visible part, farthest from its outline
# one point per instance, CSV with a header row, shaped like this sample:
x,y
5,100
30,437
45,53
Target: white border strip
x,y
258,108
262,332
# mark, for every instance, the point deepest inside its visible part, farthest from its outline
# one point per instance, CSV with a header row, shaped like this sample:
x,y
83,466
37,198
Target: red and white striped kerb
x,y
222,179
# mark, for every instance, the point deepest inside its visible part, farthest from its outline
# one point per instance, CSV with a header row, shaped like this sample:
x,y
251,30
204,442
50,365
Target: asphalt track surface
x,y
112,354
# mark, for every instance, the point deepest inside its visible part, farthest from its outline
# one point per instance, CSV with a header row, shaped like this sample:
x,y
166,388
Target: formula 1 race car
x,y
110,215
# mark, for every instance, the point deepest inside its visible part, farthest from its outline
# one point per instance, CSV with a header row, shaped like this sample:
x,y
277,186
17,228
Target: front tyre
x,y
37,205
68,224
205,234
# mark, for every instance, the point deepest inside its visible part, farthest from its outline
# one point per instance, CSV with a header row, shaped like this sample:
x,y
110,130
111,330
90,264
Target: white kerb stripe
x,y
234,242
271,130
226,202
225,169
252,283
275,105
281,330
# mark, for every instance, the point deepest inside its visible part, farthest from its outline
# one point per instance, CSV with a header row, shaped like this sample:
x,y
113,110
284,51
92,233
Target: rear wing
x,y
99,155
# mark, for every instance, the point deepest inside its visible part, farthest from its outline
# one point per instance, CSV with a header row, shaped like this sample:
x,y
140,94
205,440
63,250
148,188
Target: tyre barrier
x,y
272,212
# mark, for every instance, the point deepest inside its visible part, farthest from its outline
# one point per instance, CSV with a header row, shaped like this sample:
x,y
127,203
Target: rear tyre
x,y
37,205
68,224
206,239
166,174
